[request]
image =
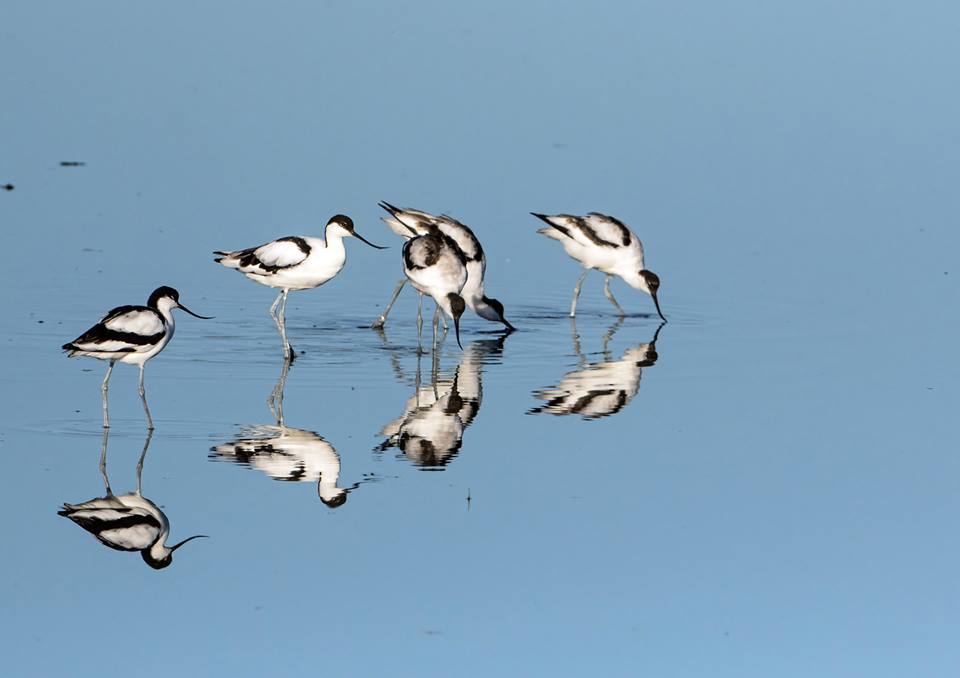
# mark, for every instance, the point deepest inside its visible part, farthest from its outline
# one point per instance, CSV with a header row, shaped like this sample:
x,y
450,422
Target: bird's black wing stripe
x,y
545,219
431,245
100,334
622,227
452,244
593,236
121,310
298,241
248,257
471,236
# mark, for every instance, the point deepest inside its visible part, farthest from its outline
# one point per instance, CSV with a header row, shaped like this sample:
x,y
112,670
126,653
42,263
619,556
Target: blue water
x,y
776,495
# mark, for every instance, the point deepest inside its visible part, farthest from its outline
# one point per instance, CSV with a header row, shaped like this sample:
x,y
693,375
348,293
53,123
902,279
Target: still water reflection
x,y
599,389
129,522
286,453
430,430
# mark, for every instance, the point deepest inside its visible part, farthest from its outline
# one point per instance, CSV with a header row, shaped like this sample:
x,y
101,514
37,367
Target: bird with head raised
x,y
294,263
133,335
605,243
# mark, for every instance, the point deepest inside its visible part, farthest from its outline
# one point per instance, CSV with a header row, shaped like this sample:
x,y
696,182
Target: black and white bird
x,y
606,244
435,266
129,522
294,263
131,334
599,389
409,223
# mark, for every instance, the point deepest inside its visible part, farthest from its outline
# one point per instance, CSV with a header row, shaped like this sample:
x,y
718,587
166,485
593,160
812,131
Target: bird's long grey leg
x,y
381,321
419,323
443,317
143,456
274,305
103,462
576,293
104,390
436,326
609,295
277,312
143,398
288,353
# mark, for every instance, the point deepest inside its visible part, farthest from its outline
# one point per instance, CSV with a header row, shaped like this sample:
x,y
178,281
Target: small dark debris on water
x,y
8,187
72,163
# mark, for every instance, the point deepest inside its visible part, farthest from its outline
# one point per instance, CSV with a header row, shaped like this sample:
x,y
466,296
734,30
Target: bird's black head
x,y
457,306
652,283
343,221
336,501
652,280
156,563
160,293
498,309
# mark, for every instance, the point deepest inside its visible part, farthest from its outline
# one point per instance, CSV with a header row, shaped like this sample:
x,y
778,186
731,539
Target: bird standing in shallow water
x,y
131,334
606,244
437,267
408,223
294,263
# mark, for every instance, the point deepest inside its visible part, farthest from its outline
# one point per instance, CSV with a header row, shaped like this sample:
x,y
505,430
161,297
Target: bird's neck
x,y
334,235
165,309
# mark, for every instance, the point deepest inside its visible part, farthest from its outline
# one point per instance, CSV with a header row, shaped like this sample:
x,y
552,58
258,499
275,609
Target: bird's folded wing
x,y
145,322
276,255
609,229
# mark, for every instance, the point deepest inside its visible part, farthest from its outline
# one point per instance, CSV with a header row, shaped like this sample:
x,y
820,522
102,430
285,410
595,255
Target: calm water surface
x,y
766,485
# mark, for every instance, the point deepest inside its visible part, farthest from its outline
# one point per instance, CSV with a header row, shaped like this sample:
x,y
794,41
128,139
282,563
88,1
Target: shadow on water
x,y
129,522
601,389
288,454
429,432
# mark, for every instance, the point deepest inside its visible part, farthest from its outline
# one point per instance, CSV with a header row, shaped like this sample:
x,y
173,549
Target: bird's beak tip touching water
x,y
196,536
657,304
377,247
456,326
195,315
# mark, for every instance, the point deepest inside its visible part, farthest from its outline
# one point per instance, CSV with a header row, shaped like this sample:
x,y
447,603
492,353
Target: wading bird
x,y
606,244
409,223
294,263
436,267
131,334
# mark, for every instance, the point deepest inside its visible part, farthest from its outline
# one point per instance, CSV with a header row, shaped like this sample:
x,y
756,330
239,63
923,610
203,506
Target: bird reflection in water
x,y
288,454
430,430
129,522
600,389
